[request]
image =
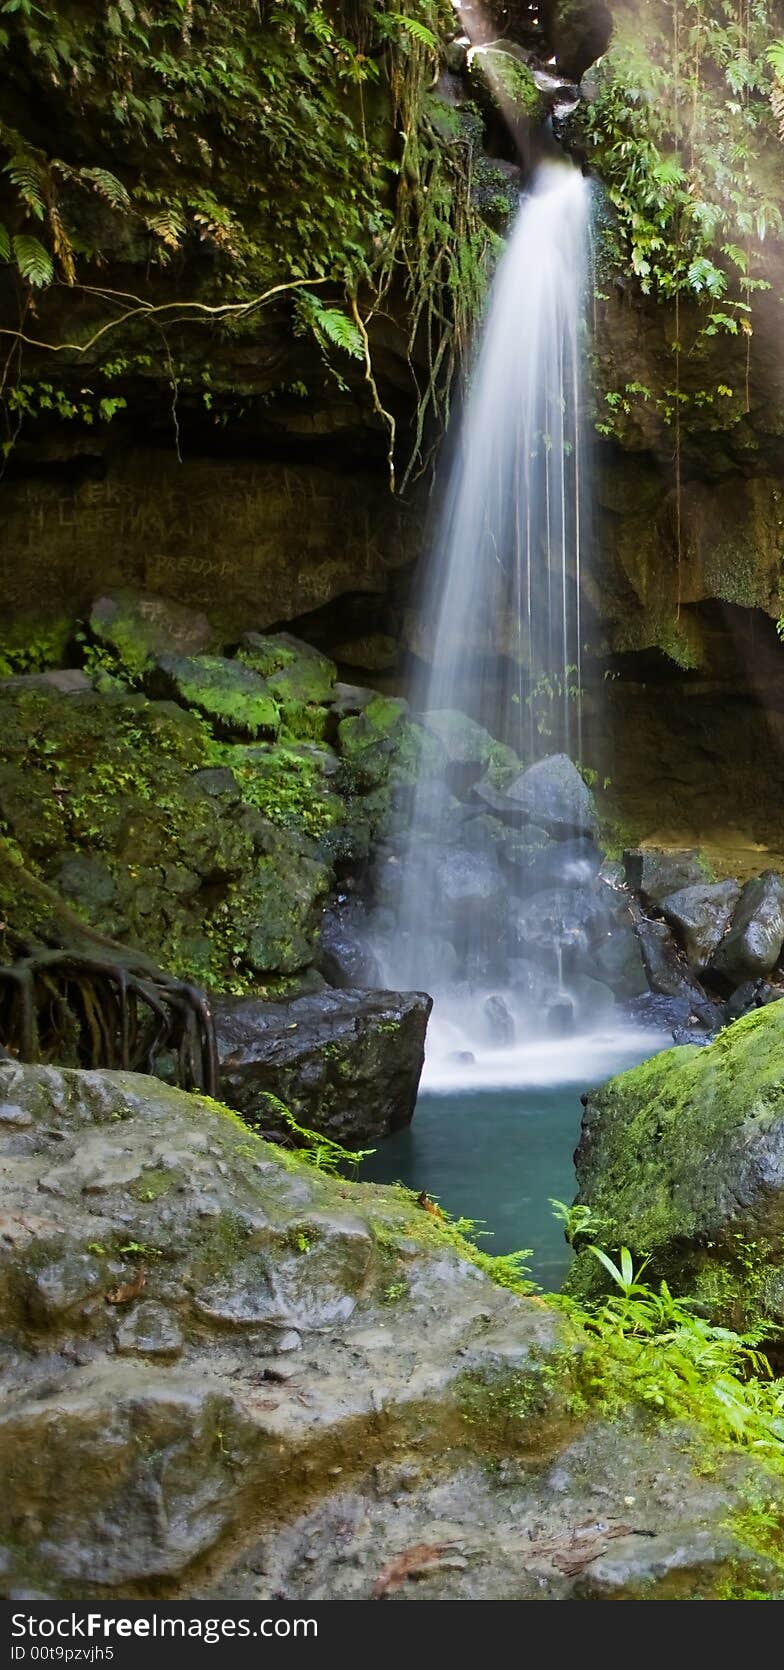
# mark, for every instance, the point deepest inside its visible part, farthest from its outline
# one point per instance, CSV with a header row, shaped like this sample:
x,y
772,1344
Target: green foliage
x,y
655,1349
283,146
682,132
317,1150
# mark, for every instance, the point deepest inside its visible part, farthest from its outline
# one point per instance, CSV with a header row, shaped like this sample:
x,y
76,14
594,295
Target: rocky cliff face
x,y
248,476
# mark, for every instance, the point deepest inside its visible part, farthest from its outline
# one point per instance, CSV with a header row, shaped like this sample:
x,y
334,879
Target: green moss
x,y
502,1403
508,80
666,1157
285,784
28,647
233,698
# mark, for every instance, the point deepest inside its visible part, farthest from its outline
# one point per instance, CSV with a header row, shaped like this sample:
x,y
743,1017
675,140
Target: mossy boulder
x,y
116,801
500,77
135,627
682,1161
232,697
299,678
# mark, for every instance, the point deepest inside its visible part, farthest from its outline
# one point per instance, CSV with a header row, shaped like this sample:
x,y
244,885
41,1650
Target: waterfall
x,y
501,636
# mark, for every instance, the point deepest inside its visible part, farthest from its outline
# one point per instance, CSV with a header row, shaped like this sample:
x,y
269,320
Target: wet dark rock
x,y
655,872
499,1020
570,863
753,944
661,1012
437,810
561,1018
664,963
566,916
345,1063
470,886
578,33
700,915
345,957
753,994
617,959
553,795
494,799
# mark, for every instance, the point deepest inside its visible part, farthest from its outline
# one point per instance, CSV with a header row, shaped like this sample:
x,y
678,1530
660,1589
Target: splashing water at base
x,y
496,917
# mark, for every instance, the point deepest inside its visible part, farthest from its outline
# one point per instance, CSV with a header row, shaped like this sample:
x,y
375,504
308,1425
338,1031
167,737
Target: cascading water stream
x,y
507,917
502,639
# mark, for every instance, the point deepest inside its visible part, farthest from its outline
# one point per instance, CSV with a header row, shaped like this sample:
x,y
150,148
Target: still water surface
x,y
499,1152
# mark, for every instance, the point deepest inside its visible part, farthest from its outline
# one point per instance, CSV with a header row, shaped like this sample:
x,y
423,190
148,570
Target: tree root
x,y
106,1012
72,996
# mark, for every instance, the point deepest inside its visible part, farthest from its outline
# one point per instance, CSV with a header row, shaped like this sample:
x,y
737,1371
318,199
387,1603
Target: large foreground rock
x,y
229,1375
345,1063
682,1159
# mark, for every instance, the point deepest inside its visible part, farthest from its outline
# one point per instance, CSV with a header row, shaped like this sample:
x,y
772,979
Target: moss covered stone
x,y
231,696
118,803
682,1160
134,627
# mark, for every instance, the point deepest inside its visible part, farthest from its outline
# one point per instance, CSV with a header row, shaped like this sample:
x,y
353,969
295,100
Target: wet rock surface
x,y
752,946
701,914
345,1063
250,1379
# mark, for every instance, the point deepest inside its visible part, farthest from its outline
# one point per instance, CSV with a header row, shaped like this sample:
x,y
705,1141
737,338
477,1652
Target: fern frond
x,y
29,176
107,185
168,225
418,31
34,262
5,244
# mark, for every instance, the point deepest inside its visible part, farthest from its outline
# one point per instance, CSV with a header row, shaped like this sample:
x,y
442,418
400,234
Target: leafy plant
x,y
655,1348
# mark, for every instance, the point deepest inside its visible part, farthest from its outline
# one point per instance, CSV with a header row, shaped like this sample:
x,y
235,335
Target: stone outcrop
x,y
345,1063
682,1161
232,1376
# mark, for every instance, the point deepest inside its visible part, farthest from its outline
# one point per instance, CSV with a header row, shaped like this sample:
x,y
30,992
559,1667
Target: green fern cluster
x,y
682,132
225,150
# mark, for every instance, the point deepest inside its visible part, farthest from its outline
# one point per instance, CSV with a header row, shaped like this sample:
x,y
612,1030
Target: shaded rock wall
x,y
252,541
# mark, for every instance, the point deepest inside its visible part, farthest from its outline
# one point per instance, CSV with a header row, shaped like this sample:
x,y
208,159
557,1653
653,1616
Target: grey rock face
x,y
700,915
345,958
664,964
345,1063
299,1379
753,945
655,871
552,794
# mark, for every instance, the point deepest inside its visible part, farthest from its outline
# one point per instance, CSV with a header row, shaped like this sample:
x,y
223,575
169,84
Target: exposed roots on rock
x,y
70,996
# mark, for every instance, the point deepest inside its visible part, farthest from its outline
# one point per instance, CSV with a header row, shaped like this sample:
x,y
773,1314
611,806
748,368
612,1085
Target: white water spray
x,y
500,932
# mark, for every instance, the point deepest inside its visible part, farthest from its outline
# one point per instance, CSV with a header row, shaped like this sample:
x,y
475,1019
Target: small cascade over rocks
x,y
504,912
